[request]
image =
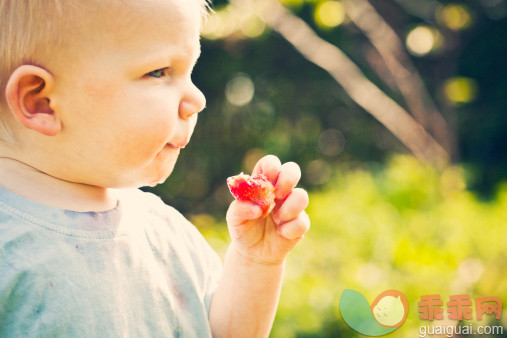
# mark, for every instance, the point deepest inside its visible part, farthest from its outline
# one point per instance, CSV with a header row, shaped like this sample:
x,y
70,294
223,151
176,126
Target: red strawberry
x,y
257,189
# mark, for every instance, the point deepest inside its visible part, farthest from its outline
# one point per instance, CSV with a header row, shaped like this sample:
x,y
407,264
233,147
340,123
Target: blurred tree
x,y
349,76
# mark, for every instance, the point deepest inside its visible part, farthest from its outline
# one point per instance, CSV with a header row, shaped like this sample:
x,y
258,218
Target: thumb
x,y
241,211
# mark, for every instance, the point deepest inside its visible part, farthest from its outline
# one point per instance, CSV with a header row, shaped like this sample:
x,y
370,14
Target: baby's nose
x,y
192,103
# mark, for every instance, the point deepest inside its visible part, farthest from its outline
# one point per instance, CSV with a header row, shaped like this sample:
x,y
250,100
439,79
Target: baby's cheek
x,y
141,147
153,137
146,127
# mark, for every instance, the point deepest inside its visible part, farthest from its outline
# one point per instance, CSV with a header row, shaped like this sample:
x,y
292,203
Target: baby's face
x,y
125,95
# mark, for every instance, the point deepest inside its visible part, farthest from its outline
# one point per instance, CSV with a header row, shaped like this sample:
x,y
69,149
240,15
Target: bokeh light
x,y
331,142
317,172
454,16
422,40
214,27
253,26
329,14
251,158
471,270
460,89
232,21
240,90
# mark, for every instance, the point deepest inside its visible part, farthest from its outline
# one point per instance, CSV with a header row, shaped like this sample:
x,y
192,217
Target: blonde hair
x,y
30,30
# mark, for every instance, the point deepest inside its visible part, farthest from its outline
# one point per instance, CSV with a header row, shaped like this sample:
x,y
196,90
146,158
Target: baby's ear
x,y
27,93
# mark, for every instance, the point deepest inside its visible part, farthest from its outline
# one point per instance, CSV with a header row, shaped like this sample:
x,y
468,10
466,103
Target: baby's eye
x,y
158,73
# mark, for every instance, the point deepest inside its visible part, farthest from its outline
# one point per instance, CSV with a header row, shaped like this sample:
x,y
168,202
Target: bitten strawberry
x,y
257,189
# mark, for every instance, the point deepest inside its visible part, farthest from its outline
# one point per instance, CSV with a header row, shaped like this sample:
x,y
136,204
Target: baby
x,y
97,101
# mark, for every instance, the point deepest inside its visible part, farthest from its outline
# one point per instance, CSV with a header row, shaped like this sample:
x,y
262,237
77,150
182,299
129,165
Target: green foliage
x,y
406,226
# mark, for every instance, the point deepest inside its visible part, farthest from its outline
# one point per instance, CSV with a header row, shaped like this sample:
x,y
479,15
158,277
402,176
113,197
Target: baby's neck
x,y
40,187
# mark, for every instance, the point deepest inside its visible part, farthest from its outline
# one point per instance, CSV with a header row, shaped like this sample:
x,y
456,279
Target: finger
x,y
241,211
296,202
296,228
289,176
269,166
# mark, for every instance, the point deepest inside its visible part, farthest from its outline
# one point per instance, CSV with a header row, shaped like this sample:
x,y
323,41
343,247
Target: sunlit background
x,y
396,112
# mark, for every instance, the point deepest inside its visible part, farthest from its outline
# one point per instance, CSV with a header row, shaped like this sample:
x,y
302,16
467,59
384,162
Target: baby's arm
x,y
244,305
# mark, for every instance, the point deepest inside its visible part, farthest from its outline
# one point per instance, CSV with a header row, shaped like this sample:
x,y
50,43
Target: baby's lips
x,y
257,189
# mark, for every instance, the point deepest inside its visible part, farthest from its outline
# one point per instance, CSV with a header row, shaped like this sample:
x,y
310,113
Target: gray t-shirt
x,y
138,270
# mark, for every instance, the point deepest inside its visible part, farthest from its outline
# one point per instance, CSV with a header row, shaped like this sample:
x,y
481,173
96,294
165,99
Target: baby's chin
x,y
151,175
161,179
141,182
164,170
155,183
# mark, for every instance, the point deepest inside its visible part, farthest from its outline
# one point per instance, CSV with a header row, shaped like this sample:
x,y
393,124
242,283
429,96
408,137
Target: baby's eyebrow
x,y
185,55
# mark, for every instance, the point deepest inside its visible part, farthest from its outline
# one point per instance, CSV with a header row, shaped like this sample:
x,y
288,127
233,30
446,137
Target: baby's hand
x,y
268,240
